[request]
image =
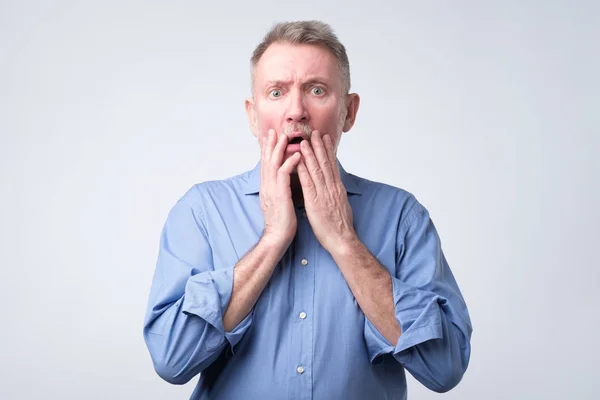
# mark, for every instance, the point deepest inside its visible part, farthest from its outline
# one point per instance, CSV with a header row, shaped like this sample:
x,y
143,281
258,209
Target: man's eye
x,y
317,91
275,93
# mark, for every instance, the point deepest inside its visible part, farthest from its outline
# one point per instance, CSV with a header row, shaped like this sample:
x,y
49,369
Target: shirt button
x,y
300,369
302,315
304,261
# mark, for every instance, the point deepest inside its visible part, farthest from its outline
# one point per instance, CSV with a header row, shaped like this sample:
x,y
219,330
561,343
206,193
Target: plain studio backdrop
x,y
487,111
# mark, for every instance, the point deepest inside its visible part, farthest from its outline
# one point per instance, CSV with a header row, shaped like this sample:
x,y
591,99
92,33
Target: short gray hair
x,y
306,32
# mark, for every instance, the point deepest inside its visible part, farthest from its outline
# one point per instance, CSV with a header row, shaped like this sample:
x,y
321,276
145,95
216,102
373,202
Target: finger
x,y
263,160
308,186
311,163
277,155
270,171
286,170
332,158
270,143
321,155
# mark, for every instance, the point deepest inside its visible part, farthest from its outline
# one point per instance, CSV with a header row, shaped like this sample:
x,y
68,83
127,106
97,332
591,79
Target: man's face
x,y
298,89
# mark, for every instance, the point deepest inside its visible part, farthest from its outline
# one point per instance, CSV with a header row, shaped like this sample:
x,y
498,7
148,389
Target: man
x,y
298,280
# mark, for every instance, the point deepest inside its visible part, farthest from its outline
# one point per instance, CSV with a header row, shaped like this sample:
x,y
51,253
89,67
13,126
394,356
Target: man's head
x,y
301,83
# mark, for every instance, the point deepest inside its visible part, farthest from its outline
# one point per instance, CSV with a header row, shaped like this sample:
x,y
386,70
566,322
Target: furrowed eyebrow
x,y
311,81
317,81
278,83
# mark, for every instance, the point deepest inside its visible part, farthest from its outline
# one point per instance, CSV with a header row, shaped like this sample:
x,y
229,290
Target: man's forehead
x,y
281,61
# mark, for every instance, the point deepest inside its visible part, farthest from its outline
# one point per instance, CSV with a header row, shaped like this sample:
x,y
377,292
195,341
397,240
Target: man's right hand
x,y
275,191
253,271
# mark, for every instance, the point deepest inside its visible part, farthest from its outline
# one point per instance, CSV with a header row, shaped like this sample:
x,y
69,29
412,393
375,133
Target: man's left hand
x,y
325,198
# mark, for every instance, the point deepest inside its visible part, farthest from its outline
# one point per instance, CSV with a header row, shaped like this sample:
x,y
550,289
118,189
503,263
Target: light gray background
x,y
486,110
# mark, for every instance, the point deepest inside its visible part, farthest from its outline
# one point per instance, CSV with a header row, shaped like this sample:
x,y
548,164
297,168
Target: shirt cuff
x,y
207,296
419,316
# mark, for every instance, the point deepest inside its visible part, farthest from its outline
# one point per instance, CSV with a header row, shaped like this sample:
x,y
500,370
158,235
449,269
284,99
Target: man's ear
x,y
352,103
251,114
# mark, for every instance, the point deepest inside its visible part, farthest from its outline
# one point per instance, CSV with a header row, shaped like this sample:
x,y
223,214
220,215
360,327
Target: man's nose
x,y
297,111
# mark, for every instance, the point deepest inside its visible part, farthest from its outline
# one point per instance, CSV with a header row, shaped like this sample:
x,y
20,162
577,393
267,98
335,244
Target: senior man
x,y
297,279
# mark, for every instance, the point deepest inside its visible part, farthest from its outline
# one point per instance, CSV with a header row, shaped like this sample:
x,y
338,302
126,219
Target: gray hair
x,y
306,32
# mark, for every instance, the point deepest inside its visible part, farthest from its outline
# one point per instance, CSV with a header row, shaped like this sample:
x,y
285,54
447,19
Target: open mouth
x,y
295,140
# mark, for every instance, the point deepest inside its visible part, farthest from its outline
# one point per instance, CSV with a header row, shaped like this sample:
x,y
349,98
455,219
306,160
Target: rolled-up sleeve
x,y
183,328
434,345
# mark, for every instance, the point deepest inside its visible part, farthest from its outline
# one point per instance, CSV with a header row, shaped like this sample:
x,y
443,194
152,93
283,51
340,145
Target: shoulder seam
x,y
200,210
416,210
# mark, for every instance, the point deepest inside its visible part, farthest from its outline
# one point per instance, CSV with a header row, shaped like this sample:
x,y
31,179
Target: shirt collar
x,y
252,184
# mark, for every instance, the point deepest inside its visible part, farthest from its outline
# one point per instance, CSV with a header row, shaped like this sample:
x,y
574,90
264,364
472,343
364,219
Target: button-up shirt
x,y
306,337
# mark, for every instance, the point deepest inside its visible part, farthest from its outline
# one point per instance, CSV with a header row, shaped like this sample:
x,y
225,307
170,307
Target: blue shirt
x,y
306,337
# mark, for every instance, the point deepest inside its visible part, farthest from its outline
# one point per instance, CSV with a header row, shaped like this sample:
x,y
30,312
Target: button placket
x,y
302,337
